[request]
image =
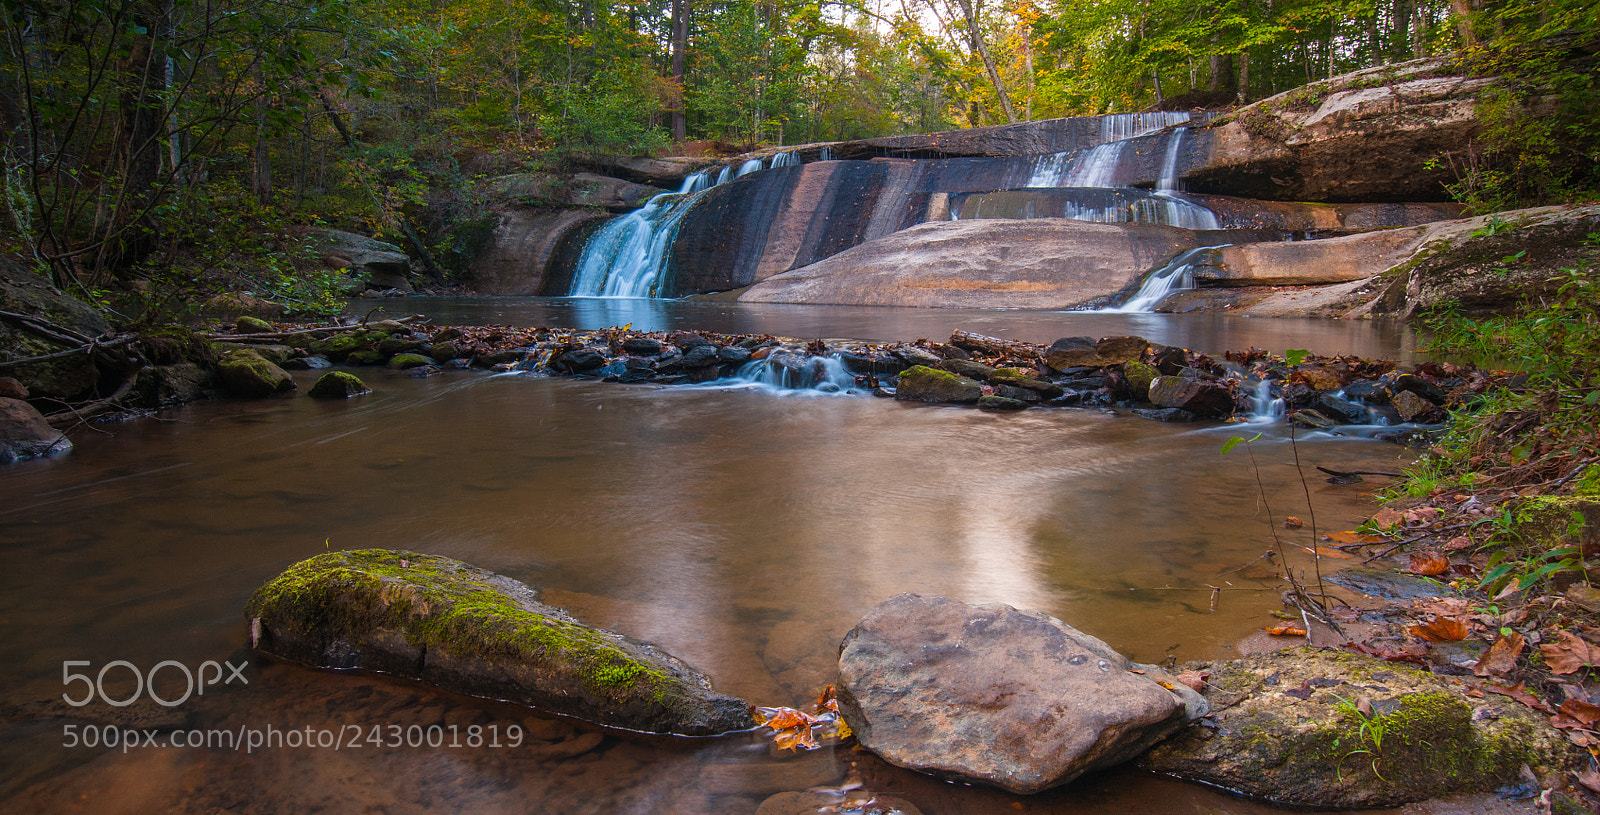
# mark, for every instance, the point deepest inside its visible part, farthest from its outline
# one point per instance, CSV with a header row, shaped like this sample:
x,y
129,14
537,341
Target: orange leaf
x,y
1444,629
1570,654
1196,680
1291,522
1352,536
1429,564
1502,656
1582,711
1520,693
1386,518
1326,552
1286,630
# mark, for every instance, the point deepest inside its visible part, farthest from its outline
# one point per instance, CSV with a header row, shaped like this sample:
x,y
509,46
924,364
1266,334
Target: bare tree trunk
x,y
1244,76
988,60
1463,14
261,175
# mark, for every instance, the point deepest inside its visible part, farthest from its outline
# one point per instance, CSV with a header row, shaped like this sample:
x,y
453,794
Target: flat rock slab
x,y
1386,584
1289,727
474,632
989,694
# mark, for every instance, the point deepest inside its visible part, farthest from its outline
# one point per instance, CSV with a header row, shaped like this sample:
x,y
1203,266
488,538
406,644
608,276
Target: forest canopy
x,y
140,127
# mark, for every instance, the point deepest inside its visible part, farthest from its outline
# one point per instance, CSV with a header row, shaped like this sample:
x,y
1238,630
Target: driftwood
x,y
80,414
283,335
995,345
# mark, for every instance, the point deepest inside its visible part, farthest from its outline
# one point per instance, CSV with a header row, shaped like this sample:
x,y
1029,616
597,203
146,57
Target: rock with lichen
x,y
1327,729
245,372
474,632
923,384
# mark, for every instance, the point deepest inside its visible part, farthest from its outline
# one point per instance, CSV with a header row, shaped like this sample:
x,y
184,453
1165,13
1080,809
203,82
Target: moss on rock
x,y
247,373
1289,729
920,383
401,362
479,633
339,385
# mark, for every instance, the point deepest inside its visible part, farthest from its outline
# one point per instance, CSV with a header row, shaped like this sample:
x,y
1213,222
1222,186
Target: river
x,y
743,529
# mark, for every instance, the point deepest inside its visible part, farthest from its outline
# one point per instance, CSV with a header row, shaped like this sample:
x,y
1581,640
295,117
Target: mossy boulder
x,y
164,385
1559,522
1139,376
339,385
1292,727
920,383
251,325
244,372
445,351
340,346
22,291
471,631
1018,378
365,358
401,362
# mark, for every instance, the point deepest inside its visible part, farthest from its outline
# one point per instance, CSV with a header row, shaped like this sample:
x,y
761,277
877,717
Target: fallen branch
x,y
84,349
283,335
43,327
995,345
76,415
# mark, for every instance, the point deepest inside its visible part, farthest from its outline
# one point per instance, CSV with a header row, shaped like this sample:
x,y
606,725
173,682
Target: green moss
x,y
1139,376
405,361
1555,522
339,385
338,347
365,358
438,603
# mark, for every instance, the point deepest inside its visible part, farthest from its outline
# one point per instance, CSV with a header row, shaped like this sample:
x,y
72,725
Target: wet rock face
x,y
923,384
373,264
993,695
478,633
1288,728
25,434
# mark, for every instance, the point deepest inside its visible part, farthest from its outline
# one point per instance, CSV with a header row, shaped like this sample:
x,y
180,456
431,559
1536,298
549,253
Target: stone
x,y
401,362
165,385
1585,597
373,264
25,434
1388,585
1022,379
1001,403
1049,263
339,385
1344,410
854,801
445,351
1287,729
920,383
524,250
1414,408
1019,394
477,633
966,368
1312,420
917,356
1072,352
989,694
581,359
1415,384
641,346
25,292
275,354
1121,350
1139,375
246,373
1169,415
251,325
1207,400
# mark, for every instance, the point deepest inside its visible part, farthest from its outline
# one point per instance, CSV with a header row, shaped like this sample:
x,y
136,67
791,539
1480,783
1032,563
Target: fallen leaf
x,y
1286,630
1326,552
1456,544
1520,693
1421,515
1502,656
1415,652
1569,654
1196,680
1590,779
1443,629
1428,564
1581,710
1386,518
1351,536
1291,522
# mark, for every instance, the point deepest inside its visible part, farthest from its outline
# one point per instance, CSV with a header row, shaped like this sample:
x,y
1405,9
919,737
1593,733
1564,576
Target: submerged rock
x,y
475,632
989,694
1290,727
923,384
24,433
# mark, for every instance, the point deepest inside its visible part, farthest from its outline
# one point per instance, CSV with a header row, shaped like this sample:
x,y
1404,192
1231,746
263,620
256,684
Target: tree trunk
x,y
1244,76
680,44
968,11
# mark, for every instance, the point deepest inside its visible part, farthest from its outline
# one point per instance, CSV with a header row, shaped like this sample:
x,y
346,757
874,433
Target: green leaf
x,y
1227,446
1295,356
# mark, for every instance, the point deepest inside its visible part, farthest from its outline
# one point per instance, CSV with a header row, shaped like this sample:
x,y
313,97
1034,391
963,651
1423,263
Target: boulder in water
x,y
339,385
1205,399
247,373
475,632
989,694
24,433
924,384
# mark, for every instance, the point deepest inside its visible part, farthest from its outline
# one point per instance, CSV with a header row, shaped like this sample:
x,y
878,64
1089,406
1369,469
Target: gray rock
x,y
482,634
966,368
923,384
989,694
1414,408
918,356
1387,584
24,433
1168,415
1001,403
373,264
164,385
1072,352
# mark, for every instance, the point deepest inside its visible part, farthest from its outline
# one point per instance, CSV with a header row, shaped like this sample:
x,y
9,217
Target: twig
x,y
1346,473
1432,533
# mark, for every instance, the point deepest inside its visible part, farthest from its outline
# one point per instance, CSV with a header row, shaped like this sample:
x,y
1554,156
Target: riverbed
x,y
743,529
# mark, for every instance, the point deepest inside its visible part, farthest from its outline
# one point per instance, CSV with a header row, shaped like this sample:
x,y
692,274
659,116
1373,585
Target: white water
x,y
1097,166
1263,407
1177,275
628,256
790,371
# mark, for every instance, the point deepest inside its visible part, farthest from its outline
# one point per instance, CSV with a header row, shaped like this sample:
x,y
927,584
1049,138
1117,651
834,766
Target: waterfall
x,y
1263,406
1097,166
1169,165
1177,275
789,159
748,167
791,371
627,256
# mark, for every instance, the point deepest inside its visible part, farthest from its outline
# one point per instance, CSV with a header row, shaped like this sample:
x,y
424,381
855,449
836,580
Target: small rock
x,y
1166,414
966,368
1139,376
918,356
445,351
1121,350
10,388
1001,403
251,325
1321,377
401,362
1585,597
1019,394
1411,383
339,385
1312,420
24,433
923,384
819,803
315,362
641,346
1343,410
1072,352
1021,379
1415,408
1386,584
247,373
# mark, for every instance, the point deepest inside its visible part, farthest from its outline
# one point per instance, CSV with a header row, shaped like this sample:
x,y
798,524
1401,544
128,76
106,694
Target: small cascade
x,y
1264,407
748,167
825,154
1177,275
1169,164
790,159
1096,167
626,257
1170,210
723,176
797,372
1119,126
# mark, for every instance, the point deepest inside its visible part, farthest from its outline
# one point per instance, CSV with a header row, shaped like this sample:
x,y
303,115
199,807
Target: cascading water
x,y
1264,407
1177,275
797,372
628,256
1097,166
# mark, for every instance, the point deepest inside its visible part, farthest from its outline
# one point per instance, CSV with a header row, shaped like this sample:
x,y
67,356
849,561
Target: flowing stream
x,y
741,528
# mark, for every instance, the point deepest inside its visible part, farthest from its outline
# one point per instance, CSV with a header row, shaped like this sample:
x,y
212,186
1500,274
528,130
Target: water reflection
x,y
743,531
